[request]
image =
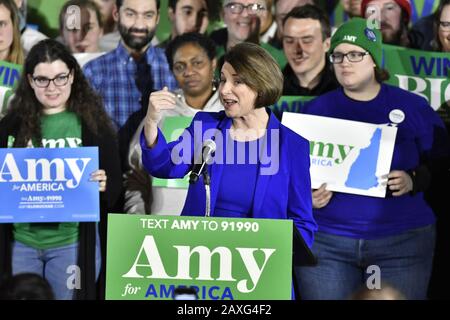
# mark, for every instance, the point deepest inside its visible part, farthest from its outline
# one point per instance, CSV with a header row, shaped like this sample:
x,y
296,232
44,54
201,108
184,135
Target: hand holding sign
x,y
100,176
321,197
400,182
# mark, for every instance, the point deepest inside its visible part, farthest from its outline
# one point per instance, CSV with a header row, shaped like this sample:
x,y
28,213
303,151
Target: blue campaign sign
x,y
48,185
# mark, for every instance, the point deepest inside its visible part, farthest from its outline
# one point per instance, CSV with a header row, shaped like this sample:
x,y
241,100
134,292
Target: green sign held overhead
x,y
9,78
222,258
289,104
9,74
424,73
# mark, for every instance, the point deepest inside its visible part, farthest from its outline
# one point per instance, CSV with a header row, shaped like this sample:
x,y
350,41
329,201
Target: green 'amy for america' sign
x,y
222,258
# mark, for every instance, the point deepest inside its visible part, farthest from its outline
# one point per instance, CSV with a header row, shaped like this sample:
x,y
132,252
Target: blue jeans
x,y
405,262
54,265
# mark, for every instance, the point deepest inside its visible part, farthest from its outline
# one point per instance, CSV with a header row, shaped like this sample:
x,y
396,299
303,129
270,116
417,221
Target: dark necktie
x,y
143,80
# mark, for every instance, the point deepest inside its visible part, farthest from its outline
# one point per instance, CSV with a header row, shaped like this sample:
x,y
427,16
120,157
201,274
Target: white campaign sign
x,y
349,156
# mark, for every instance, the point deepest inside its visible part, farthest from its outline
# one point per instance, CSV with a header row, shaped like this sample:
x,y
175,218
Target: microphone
x,y
209,146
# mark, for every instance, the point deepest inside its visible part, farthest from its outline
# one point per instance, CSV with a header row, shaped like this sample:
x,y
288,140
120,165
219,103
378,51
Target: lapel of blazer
x,y
263,178
217,169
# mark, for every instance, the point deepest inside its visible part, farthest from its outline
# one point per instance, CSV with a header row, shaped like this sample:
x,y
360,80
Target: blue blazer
x,y
283,187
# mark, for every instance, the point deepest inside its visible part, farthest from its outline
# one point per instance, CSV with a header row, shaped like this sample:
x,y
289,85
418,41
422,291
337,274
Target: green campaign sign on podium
x,y
222,258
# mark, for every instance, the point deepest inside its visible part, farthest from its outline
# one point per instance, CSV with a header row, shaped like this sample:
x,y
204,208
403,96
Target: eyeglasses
x,y
237,8
445,25
352,56
59,81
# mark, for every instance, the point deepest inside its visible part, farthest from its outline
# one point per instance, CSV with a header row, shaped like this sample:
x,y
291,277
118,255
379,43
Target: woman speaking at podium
x,y
260,168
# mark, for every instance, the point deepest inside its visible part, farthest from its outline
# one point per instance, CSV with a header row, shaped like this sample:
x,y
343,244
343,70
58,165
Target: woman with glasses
x,y
441,40
191,58
240,18
244,20
363,240
53,106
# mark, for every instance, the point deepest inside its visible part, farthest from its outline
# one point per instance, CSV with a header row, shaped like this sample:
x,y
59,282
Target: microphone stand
x,y
207,182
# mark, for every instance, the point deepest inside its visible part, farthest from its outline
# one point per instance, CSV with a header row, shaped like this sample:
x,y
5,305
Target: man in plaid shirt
x,y
126,76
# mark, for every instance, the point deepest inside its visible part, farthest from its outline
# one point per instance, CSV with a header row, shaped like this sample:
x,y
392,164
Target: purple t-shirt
x,y
365,217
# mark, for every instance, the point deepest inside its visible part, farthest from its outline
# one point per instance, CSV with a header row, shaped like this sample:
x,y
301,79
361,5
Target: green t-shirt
x,y
61,130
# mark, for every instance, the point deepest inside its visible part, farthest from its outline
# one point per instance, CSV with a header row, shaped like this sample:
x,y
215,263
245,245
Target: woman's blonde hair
x,y
15,50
